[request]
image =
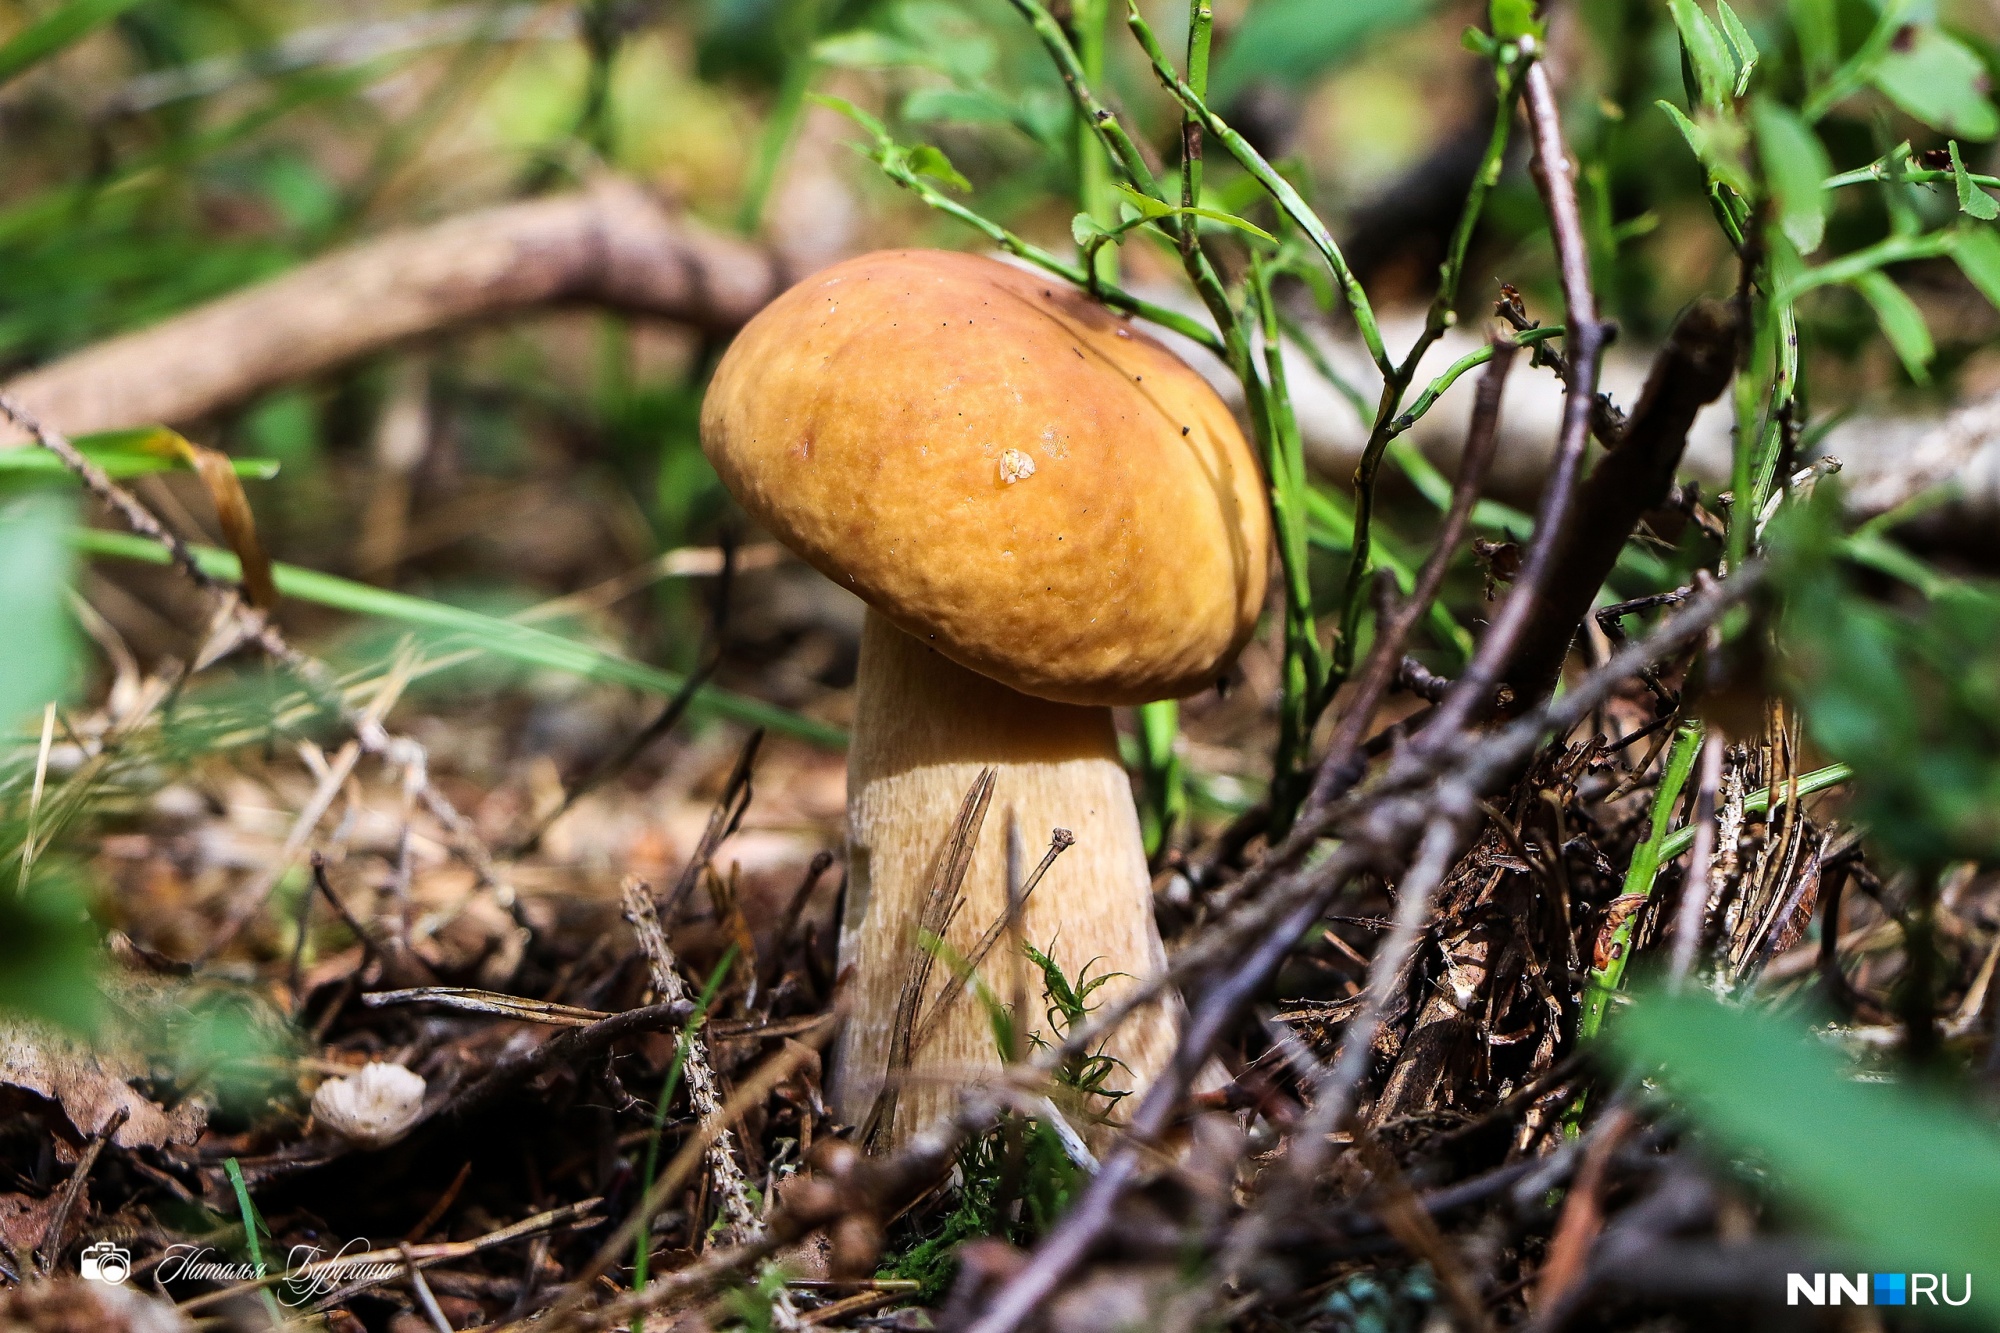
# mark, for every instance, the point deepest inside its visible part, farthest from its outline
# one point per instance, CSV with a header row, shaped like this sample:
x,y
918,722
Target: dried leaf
x,y
91,1087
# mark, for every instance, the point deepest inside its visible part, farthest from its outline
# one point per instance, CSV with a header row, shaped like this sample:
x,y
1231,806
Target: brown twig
x,y
1693,910
739,1215
1690,371
942,901
576,1044
722,821
611,245
1584,343
1582,1214
51,1247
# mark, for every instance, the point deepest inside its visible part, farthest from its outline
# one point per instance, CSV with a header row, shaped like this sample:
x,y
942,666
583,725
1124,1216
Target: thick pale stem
x,y
925,728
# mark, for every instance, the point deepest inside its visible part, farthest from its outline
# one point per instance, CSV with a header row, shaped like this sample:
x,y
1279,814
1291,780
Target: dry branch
x,y
739,1214
609,245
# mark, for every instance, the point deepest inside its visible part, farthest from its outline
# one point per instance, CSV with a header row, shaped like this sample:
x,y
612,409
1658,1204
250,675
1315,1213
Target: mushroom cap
x,y
1005,469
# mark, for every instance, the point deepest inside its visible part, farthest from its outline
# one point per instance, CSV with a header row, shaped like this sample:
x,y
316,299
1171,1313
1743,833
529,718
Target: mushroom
x,y
1048,514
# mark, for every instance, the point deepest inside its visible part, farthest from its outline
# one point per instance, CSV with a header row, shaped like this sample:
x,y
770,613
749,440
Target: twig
x,y
1434,789
1690,372
51,1247
1582,1214
575,1044
422,1289
942,901
752,1092
399,964
237,621
1585,341
739,1215
470,1001
1061,840
1693,910
252,898
722,822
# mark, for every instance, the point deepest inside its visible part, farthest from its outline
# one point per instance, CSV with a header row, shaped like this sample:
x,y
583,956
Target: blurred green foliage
x,y
1911,1181
1902,687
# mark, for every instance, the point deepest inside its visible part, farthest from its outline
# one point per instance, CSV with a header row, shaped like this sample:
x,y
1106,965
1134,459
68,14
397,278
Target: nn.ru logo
x,y
1874,1289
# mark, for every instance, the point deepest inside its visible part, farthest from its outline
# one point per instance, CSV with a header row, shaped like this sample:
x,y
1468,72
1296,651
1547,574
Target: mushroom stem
x,y
925,728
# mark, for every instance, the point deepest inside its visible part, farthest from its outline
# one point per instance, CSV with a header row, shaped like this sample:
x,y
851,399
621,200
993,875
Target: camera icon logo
x,y
105,1262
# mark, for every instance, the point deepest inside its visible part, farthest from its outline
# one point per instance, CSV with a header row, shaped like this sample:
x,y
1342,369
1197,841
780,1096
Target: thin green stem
x,y
1608,976
1479,356
1332,529
1162,774
505,638
641,1249
1893,250
1207,283
1116,297
1853,74
251,1240
1093,163
1758,802
1883,171
1281,190
1305,667
1396,383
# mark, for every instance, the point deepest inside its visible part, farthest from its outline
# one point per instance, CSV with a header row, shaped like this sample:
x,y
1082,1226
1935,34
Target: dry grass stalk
x,y
739,1214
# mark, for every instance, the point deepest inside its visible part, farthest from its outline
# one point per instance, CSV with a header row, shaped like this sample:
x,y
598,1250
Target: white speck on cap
x,y
1016,466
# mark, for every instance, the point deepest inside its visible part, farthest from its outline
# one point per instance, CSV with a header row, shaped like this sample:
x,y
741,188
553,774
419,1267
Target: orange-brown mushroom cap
x,y
1005,469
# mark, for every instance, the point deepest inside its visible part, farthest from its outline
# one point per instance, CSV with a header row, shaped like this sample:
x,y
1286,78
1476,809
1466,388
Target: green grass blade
x,y
503,638
42,39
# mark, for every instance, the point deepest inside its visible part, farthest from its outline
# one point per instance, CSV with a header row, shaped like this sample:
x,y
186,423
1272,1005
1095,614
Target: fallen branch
x,y
610,245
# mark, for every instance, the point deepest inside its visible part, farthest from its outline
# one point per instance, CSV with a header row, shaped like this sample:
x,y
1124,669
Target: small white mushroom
x,y
374,1107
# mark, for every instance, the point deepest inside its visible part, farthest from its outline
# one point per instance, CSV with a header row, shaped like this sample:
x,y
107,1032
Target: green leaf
x,y
1908,1178
1515,19
1477,42
1902,323
1977,251
1148,207
1796,168
1971,199
875,128
1939,80
926,160
37,651
1230,220
1707,52
1294,41
864,49
1152,210
1740,43
1817,25
1714,143
1086,230
42,39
